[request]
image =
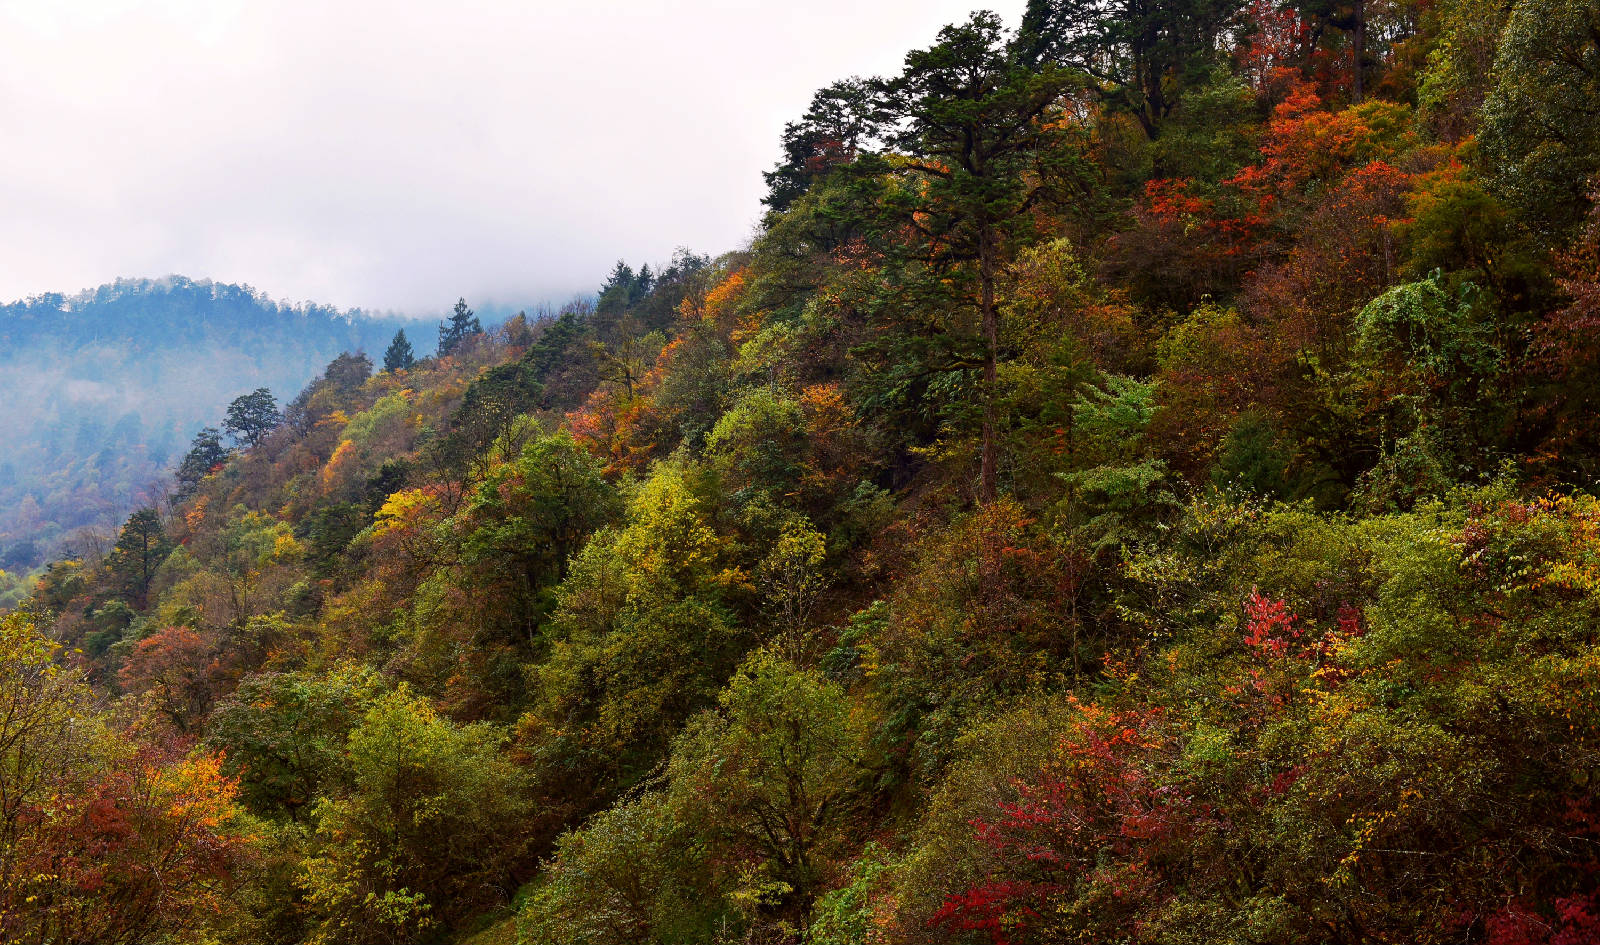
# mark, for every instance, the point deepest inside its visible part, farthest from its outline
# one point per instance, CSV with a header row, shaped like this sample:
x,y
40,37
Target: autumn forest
x,y
1137,485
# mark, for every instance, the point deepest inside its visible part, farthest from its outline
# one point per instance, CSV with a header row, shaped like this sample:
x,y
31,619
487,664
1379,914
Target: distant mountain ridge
x,y
194,307
105,388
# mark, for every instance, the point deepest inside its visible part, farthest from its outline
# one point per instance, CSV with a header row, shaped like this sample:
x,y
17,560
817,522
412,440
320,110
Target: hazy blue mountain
x,y
103,390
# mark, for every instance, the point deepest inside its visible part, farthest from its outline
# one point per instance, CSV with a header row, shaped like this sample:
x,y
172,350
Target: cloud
x,y
396,155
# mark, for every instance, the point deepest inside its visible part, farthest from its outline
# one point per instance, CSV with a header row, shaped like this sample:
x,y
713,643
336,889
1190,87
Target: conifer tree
x,y
252,416
461,325
399,356
206,452
643,282
1141,54
140,549
618,291
845,120
972,115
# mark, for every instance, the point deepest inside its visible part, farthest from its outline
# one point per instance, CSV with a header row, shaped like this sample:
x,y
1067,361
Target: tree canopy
x,y
1138,484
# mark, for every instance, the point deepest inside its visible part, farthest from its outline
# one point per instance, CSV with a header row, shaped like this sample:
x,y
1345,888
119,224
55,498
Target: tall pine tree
x,y
205,454
974,120
460,326
140,549
618,291
399,356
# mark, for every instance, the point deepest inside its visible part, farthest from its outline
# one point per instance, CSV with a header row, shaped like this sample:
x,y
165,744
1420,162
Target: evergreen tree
x,y
1541,125
347,372
252,416
971,112
140,549
643,282
844,120
1140,53
399,357
618,291
456,329
206,452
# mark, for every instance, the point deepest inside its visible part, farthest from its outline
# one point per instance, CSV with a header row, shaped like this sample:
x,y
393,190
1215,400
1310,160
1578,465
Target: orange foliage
x,y
628,434
833,437
184,671
1346,255
725,294
1280,39
719,305
338,467
195,515
1305,142
133,850
610,426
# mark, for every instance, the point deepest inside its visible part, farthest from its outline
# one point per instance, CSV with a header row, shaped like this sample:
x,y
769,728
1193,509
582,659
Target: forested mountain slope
x,y
1139,486
104,390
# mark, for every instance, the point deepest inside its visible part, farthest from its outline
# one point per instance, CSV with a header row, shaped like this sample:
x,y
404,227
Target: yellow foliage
x,y
195,516
343,458
402,509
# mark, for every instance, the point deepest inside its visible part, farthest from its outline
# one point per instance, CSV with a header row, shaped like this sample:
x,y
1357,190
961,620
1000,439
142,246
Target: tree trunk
x,y
1359,44
989,477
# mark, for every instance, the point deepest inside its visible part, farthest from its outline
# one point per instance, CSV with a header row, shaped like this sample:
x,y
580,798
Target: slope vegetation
x,y
1137,487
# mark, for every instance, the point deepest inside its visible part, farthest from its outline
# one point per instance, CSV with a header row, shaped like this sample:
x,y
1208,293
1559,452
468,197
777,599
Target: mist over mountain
x,y
105,388
1138,483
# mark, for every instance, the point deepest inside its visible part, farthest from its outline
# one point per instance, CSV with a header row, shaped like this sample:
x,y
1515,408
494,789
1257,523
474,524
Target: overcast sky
x,y
394,155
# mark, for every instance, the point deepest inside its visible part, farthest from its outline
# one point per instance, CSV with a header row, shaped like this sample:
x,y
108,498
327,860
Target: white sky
x,y
395,155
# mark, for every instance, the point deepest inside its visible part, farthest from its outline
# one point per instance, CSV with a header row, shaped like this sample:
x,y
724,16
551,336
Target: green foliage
x,y
102,839
531,514
630,875
1055,328
842,121
755,441
1460,64
988,611
139,551
432,827
644,632
791,581
1140,56
1456,224
1290,742
1108,421
750,806
372,428
252,416
845,916
37,702
459,327
1117,491
976,119
1208,136
283,736
1419,325
508,547
1253,457
1541,132
398,356
766,780
204,456
1414,468
1073,518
